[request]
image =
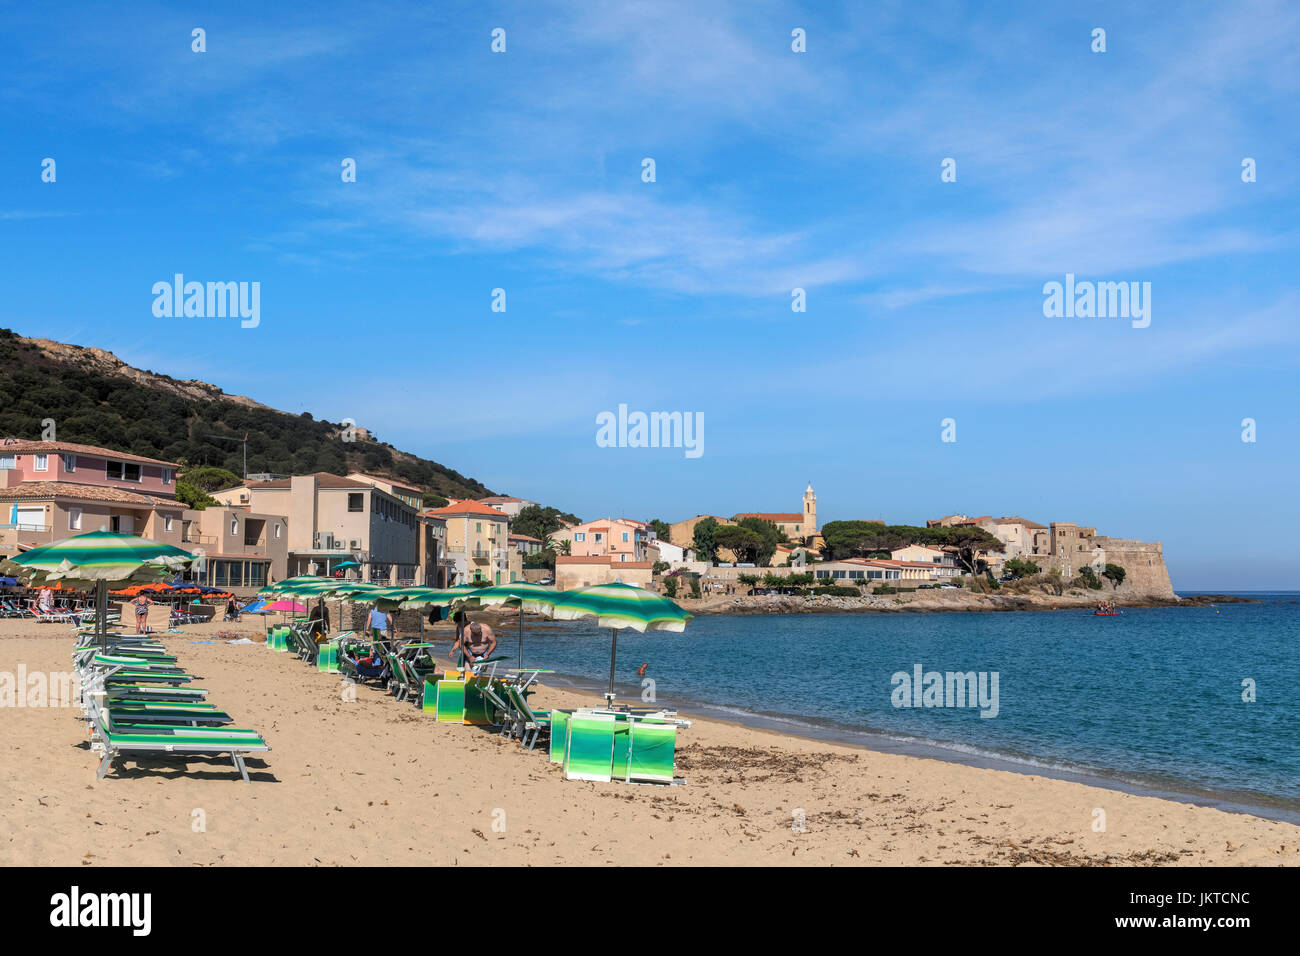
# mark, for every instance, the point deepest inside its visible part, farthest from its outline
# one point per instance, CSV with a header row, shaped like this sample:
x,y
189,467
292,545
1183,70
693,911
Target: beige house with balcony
x,y
332,519
478,543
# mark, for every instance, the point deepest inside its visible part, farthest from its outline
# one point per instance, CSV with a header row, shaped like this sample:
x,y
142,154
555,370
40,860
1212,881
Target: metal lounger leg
x,y
106,763
239,765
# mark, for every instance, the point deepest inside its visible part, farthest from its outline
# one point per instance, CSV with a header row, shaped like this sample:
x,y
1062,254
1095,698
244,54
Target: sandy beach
x,y
373,781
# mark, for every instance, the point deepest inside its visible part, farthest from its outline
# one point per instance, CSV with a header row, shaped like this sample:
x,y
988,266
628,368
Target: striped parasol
x,y
617,606
98,558
529,598
85,559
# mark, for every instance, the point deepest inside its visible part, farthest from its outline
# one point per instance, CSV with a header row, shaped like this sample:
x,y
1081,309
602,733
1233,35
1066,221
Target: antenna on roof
x,y
244,440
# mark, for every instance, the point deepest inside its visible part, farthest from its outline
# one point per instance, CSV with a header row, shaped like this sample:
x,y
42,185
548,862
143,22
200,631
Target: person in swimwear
x,y
478,642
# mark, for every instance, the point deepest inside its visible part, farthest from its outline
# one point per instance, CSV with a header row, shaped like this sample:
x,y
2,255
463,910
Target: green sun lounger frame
x,y
172,741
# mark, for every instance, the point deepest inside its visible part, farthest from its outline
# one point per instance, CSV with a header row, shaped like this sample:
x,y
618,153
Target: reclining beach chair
x,y
170,741
528,724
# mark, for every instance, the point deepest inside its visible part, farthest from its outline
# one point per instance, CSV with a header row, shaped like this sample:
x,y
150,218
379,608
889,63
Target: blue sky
x,y
775,170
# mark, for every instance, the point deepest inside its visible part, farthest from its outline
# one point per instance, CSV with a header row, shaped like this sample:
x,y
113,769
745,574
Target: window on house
x,y
8,462
74,519
167,522
42,463
234,526
356,501
69,463
166,476
624,535
122,470
276,530
597,538
580,536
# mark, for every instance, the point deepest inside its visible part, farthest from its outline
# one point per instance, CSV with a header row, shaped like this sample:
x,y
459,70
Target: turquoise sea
x,y
1149,701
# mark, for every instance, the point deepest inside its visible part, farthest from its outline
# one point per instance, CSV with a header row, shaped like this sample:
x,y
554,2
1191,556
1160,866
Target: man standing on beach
x,y
477,641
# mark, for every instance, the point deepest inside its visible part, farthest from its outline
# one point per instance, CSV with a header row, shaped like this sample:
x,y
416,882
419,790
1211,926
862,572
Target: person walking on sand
x,y
142,603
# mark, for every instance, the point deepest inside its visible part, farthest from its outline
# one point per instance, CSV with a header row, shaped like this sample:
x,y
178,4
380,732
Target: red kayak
x,y
1105,613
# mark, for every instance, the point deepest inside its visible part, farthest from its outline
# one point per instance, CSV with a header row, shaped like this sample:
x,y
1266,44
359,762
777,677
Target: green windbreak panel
x,y
559,731
479,710
327,659
654,747
451,701
429,703
590,750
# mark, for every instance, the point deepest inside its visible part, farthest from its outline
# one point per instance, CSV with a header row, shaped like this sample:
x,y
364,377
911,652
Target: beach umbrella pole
x,y
613,652
101,611
521,638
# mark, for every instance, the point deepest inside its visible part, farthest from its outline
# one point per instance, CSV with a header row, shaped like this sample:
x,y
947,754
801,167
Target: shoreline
x,y
935,602
947,752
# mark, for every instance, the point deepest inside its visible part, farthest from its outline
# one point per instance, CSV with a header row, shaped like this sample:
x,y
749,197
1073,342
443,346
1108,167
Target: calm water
x,y
1151,699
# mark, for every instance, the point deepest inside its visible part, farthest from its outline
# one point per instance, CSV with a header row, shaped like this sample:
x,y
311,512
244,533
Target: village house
x,y
50,490
620,539
477,543
509,505
332,520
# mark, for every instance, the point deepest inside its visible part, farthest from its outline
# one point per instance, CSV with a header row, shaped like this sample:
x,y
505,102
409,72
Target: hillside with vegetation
x,y
96,399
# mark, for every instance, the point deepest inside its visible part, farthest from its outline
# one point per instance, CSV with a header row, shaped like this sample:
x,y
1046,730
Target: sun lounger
x,y
173,741
528,724
131,714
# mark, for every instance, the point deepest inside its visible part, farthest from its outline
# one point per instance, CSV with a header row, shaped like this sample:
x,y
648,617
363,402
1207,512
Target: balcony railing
x,y
7,526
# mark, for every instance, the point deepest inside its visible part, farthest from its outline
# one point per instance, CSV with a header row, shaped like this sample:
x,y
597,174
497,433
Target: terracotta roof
x,y
37,490
792,516
323,480
523,537
18,446
457,508
499,499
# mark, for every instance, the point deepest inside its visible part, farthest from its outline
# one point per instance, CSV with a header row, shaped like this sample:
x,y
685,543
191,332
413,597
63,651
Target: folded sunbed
x,y
172,741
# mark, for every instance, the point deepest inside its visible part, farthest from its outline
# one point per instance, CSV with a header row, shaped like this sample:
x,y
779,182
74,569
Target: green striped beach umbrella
x,y
530,598
617,606
99,558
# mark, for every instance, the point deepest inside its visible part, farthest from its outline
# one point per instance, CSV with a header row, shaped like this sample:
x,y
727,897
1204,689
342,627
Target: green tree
x,y
769,537
211,478
192,496
1018,568
742,542
1089,577
1115,574
662,530
704,542
537,521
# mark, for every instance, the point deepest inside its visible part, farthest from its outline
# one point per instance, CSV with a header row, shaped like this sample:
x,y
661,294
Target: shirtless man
x,y
478,642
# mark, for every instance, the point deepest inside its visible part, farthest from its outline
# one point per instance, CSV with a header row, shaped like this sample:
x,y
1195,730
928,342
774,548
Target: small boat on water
x,y
1105,609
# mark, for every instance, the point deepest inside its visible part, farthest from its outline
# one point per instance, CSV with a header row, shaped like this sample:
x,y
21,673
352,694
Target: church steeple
x,y
809,511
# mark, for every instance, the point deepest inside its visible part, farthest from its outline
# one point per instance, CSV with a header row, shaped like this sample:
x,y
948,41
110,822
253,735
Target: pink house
x,y
621,539
51,490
